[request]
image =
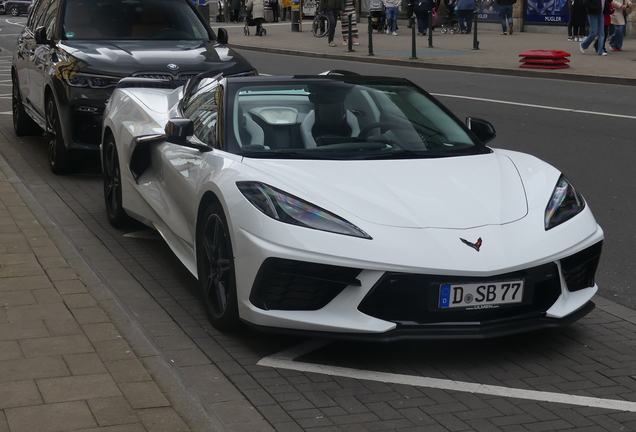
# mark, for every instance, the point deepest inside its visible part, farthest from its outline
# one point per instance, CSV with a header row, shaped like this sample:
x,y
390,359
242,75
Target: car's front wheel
x,y
112,186
15,11
59,158
23,125
215,261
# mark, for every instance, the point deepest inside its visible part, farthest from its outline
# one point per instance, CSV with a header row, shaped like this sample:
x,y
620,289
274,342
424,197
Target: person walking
x,y
286,5
350,11
235,10
622,8
505,15
391,10
577,21
594,9
421,9
465,13
607,21
273,4
331,9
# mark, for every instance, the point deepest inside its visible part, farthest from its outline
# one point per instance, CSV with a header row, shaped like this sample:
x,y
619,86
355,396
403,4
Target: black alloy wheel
x,y
23,124
112,186
215,262
59,158
15,11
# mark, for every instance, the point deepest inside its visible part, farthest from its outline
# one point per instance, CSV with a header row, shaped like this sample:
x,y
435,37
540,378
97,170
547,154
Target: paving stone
x,y
26,282
90,315
79,300
144,395
162,420
109,411
38,312
23,330
77,388
61,417
85,364
127,370
188,357
110,350
235,411
32,368
19,393
63,326
70,287
101,332
56,345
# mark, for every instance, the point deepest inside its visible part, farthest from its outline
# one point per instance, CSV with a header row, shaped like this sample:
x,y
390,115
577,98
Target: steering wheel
x,y
383,125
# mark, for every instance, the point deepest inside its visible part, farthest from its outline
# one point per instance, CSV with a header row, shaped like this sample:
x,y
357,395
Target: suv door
x,y
43,57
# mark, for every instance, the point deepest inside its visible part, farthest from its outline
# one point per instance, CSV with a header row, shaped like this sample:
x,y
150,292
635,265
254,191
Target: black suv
x,y
71,54
15,7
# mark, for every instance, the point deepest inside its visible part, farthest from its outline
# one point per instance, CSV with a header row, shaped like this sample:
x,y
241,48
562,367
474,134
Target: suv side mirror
x,y
483,129
40,35
222,36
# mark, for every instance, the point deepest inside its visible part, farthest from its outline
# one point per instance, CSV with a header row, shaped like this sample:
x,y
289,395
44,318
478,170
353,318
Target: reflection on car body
x,y
349,206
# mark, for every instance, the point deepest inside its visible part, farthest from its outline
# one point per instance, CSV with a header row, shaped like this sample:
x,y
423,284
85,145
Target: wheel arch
x,y
207,199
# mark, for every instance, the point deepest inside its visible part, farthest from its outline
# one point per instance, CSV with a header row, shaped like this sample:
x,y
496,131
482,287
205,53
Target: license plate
x,y
480,295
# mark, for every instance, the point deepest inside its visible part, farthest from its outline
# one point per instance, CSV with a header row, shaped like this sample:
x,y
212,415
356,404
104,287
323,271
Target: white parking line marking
x,y
285,360
535,106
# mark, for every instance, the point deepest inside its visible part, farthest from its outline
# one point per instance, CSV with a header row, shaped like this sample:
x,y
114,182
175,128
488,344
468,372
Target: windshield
x,y
132,19
333,119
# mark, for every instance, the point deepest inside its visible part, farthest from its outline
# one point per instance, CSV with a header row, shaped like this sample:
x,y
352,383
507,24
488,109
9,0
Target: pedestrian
x,y
622,8
577,21
235,10
273,4
465,13
287,4
421,9
607,21
257,9
331,9
505,15
349,19
391,10
594,9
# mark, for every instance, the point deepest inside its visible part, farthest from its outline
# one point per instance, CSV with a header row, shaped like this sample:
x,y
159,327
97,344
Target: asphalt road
x,y
595,358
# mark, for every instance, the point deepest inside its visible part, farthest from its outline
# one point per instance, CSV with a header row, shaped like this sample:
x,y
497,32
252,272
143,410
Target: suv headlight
x,y
289,209
565,203
92,81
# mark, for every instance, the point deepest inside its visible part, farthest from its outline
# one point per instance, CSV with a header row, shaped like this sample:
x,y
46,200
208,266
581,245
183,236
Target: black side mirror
x,y
179,131
40,36
483,129
222,37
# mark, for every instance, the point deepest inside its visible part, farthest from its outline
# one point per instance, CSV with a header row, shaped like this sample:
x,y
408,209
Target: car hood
x,y
454,193
123,58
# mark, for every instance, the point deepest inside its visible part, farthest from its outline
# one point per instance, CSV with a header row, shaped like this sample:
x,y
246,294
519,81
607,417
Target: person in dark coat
x,y
577,21
331,9
505,15
595,17
421,9
235,9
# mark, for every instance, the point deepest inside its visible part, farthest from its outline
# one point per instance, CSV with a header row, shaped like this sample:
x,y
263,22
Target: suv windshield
x,y
132,19
334,119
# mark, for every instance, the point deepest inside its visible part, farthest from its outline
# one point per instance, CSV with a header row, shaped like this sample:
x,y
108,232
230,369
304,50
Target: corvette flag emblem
x,y
475,245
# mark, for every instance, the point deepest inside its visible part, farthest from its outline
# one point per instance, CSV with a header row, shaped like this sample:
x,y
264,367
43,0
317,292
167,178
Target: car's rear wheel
x,y
112,186
215,261
59,158
15,11
23,125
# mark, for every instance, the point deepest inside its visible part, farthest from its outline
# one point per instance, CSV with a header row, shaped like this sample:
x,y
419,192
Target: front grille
x,y
295,285
181,78
579,269
413,298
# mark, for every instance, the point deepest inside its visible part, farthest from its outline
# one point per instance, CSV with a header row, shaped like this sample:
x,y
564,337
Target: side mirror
x,y
483,129
40,36
222,37
179,131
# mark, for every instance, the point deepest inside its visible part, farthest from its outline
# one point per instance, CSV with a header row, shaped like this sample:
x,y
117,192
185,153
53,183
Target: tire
x,y
215,263
320,26
112,186
59,157
246,31
263,32
443,29
15,11
23,125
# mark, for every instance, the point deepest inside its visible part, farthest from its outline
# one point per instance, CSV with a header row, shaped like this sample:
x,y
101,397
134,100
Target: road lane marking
x,y
535,106
285,360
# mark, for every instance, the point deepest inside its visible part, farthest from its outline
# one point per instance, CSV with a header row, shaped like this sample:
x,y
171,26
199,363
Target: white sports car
x,y
349,206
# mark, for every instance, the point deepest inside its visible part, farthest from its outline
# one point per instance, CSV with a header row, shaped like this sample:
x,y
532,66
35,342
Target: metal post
x,y
413,40
370,35
430,29
475,41
349,39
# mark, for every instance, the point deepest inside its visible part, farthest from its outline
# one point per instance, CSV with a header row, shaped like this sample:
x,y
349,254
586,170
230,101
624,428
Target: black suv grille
x,y
167,77
295,285
413,298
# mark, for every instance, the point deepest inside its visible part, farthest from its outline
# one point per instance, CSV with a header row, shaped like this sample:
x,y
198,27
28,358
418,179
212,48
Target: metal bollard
x,y
430,29
349,39
413,39
475,41
370,35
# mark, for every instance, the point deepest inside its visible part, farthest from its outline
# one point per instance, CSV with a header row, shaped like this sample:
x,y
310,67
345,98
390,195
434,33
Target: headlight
x,y
92,81
566,203
289,209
